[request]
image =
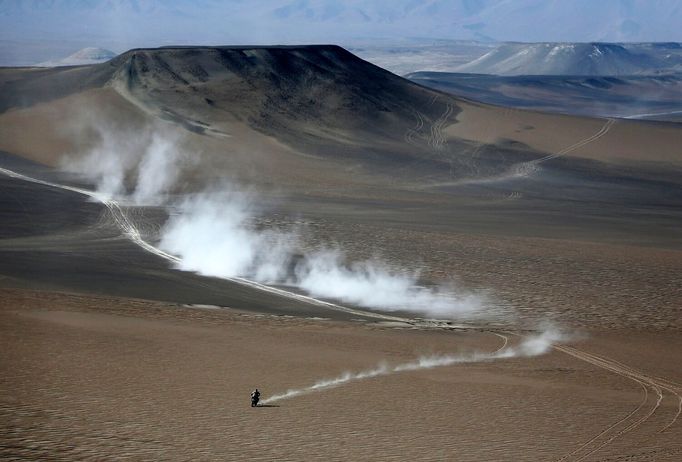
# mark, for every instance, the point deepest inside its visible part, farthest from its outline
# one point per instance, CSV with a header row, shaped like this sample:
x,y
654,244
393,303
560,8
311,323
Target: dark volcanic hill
x,y
311,94
316,118
319,100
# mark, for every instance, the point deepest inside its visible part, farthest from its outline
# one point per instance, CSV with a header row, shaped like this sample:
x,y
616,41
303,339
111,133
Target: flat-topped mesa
x,y
318,97
299,81
320,100
222,71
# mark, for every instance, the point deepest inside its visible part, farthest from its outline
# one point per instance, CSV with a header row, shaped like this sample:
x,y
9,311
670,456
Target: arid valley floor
x,y
112,349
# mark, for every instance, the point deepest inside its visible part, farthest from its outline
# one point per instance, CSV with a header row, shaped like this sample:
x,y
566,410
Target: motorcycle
x,y
254,400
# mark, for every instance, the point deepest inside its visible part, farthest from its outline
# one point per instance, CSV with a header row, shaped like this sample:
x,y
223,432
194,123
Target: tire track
x,y
133,234
528,168
672,387
623,421
438,140
505,341
660,383
414,132
611,427
525,169
603,131
631,421
435,138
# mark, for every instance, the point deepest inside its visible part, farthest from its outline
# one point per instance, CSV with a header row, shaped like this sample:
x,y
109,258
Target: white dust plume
x,y
149,157
370,284
157,170
213,234
534,345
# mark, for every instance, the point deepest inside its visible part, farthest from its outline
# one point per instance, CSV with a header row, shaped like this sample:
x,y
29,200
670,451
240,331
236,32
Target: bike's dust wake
x,y
531,346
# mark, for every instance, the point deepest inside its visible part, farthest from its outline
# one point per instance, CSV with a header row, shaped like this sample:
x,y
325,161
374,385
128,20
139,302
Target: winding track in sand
x,y
413,132
435,138
528,168
618,429
632,420
131,232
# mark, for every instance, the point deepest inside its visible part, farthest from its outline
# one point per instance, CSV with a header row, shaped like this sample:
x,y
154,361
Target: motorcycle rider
x,y
255,396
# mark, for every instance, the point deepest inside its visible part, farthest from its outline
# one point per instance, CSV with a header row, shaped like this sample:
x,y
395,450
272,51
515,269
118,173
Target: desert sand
x,y
98,377
110,351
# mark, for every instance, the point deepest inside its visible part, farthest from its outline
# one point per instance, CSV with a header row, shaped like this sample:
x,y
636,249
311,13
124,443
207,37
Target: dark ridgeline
x,y
594,96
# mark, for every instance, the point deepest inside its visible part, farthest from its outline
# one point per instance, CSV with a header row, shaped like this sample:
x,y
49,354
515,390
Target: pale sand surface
x,y
110,378
626,140
564,279
52,134
589,241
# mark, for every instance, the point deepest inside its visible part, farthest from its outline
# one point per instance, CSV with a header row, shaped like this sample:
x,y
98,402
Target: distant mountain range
x,y
508,59
36,25
85,56
412,55
633,80
655,97
596,59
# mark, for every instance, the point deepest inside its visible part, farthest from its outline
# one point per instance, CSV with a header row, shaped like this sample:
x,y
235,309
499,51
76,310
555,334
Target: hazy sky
x,y
33,30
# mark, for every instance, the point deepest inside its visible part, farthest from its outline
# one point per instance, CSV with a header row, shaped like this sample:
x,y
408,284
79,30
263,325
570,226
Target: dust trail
x,y
532,346
212,234
148,154
131,232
